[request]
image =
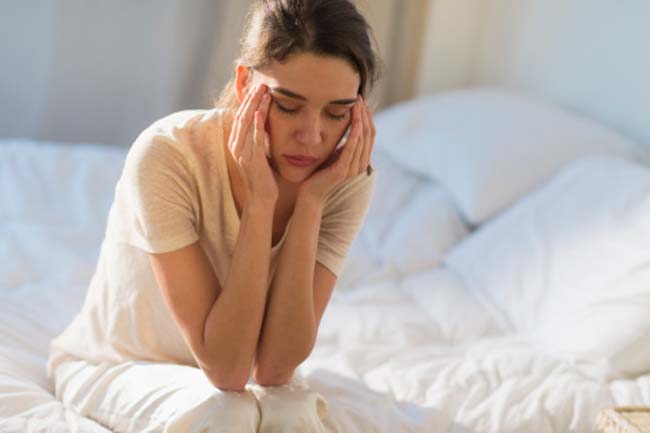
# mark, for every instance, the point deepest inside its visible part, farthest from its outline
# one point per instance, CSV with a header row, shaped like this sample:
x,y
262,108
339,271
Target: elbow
x,y
229,382
228,378
278,369
273,378
227,371
267,374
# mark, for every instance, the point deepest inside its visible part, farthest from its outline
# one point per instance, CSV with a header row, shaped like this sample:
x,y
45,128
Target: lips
x,y
301,157
300,160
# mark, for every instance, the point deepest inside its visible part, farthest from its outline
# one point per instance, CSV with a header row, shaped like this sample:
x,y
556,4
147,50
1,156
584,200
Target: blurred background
x,y
79,71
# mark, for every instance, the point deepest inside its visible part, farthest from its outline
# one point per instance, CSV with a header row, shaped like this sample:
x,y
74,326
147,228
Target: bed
x,y
500,283
430,327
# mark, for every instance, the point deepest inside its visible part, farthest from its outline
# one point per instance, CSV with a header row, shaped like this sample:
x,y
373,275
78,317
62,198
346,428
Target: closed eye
x,y
290,111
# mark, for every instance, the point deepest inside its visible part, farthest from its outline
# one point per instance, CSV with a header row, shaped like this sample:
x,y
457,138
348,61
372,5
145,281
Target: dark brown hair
x,y
276,29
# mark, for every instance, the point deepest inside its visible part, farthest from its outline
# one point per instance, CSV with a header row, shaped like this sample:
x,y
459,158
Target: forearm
x,y
289,328
233,324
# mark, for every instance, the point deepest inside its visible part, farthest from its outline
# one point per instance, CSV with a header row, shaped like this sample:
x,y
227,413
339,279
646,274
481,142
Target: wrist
x,y
305,199
259,206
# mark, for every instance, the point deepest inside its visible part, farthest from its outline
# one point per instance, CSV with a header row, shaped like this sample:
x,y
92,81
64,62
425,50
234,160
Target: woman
x,y
228,230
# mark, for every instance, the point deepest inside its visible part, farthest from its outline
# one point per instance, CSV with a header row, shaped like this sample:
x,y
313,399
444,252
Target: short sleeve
x,y
344,213
155,197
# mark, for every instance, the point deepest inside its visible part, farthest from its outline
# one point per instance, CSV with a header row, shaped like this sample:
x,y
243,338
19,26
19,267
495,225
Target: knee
x,y
223,412
290,410
234,409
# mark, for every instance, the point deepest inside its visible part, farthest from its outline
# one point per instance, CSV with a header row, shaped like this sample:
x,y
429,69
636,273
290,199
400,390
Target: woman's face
x,y
310,110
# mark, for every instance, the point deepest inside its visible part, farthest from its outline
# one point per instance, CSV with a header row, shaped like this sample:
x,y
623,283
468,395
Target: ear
x,y
242,81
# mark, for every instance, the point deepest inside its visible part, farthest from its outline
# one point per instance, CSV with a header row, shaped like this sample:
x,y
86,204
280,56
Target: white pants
x,y
147,397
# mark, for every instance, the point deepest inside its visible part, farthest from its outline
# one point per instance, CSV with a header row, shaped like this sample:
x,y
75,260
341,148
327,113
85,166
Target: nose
x,y
310,132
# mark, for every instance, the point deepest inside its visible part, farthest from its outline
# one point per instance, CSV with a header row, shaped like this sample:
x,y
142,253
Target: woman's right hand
x,y
248,143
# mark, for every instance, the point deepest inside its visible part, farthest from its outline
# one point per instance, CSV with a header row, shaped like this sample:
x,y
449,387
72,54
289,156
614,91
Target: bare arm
x,y
233,325
290,322
221,326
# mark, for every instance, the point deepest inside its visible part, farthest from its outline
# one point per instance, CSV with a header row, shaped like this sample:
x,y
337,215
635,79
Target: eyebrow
x,y
290,94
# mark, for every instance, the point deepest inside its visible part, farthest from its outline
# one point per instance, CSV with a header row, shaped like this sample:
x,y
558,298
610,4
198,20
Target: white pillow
x,y
425,228
569,266
488,146
411,222
393,186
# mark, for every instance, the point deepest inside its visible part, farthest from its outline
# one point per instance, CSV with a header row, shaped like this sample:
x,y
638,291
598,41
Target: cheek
x,y
277,128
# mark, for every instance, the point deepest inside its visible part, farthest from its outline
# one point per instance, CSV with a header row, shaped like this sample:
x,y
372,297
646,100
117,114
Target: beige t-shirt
x,y
174,189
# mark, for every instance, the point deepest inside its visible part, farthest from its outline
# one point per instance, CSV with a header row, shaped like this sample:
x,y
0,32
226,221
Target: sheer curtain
x,y
79,71
400,28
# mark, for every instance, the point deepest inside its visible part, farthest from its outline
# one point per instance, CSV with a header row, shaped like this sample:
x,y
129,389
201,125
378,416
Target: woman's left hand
x,y
352,159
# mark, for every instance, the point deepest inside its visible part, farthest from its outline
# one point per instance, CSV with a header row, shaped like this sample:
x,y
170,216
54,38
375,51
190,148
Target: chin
x,y
295,176
290,173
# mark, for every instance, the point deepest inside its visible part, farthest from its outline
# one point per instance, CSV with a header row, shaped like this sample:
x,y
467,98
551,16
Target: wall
x,y
78,71
101,71
591,56
448,50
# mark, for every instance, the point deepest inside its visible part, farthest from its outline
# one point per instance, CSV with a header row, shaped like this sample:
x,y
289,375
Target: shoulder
x,y
179,135
182,119
185,127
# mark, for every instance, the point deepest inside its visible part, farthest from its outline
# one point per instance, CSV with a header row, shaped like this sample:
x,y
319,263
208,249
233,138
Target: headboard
x,y
590,56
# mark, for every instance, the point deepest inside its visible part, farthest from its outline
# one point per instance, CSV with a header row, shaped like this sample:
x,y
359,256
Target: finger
x,y
259,131
264,105
365,154
240,111
253,104
373,135
360,144
355,163
264,109
248,136
363,136
250,107
258,134
373,129
248,114
249,94
348,148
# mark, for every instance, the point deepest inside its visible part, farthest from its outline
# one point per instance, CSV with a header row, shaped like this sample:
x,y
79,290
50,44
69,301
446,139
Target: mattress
x,y
413,352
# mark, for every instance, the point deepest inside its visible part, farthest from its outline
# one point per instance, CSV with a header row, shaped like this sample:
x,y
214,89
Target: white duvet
x,y
401,348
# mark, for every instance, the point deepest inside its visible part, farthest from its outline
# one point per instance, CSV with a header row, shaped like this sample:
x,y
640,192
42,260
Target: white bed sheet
x,y
415,354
